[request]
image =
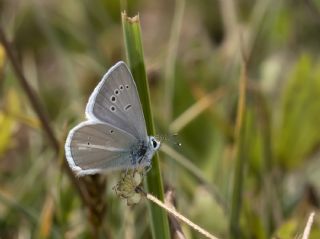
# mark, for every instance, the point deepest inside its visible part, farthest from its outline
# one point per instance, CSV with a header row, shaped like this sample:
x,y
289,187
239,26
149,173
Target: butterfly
x,y
114,137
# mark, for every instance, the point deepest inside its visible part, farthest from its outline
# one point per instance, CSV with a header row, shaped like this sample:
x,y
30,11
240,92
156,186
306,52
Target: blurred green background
x,y
194,53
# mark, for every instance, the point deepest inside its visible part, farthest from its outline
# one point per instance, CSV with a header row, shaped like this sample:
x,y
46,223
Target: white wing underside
x,y
115,125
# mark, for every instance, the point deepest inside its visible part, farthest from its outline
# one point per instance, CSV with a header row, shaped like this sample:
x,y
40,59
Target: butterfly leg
x,y
147,168
126,173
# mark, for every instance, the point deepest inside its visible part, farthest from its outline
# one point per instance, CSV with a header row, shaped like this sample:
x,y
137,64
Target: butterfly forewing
x,y
92,147
116,101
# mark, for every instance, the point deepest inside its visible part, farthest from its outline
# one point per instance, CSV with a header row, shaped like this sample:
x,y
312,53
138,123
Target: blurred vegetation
x,y
195,53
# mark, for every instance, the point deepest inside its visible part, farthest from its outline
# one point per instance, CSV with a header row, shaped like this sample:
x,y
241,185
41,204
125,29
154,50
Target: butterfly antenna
x,y
175,140
172,139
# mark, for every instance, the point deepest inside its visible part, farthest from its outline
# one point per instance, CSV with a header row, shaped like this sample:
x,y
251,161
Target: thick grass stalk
x,y
240,157
134,51
270,189
169,71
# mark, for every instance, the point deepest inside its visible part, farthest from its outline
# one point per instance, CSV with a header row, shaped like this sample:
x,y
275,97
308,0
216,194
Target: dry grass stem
x,y
195,110
307,229
193,169
175,227
176,214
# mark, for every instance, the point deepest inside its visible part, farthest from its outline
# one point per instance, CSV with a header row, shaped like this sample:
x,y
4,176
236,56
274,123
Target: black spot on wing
x,y
127,107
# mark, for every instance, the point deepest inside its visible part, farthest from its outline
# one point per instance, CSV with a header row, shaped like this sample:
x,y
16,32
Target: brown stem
x,y
30,93
83,185
175,227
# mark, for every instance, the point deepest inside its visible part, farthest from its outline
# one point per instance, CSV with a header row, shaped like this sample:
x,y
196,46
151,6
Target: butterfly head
x,y
154,145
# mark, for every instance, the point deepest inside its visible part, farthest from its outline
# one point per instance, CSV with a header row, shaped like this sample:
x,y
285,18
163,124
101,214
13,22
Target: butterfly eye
x,y
154,143
116,91
121,87
113,98
127,87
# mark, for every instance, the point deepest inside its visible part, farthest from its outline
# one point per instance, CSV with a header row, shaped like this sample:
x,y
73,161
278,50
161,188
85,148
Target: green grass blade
x,y
134,51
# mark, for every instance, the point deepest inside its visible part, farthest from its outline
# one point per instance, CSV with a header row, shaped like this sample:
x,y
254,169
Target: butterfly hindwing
x,y
92,147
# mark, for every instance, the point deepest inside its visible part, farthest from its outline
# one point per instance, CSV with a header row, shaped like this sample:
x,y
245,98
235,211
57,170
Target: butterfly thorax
x,y
138,152
141,153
